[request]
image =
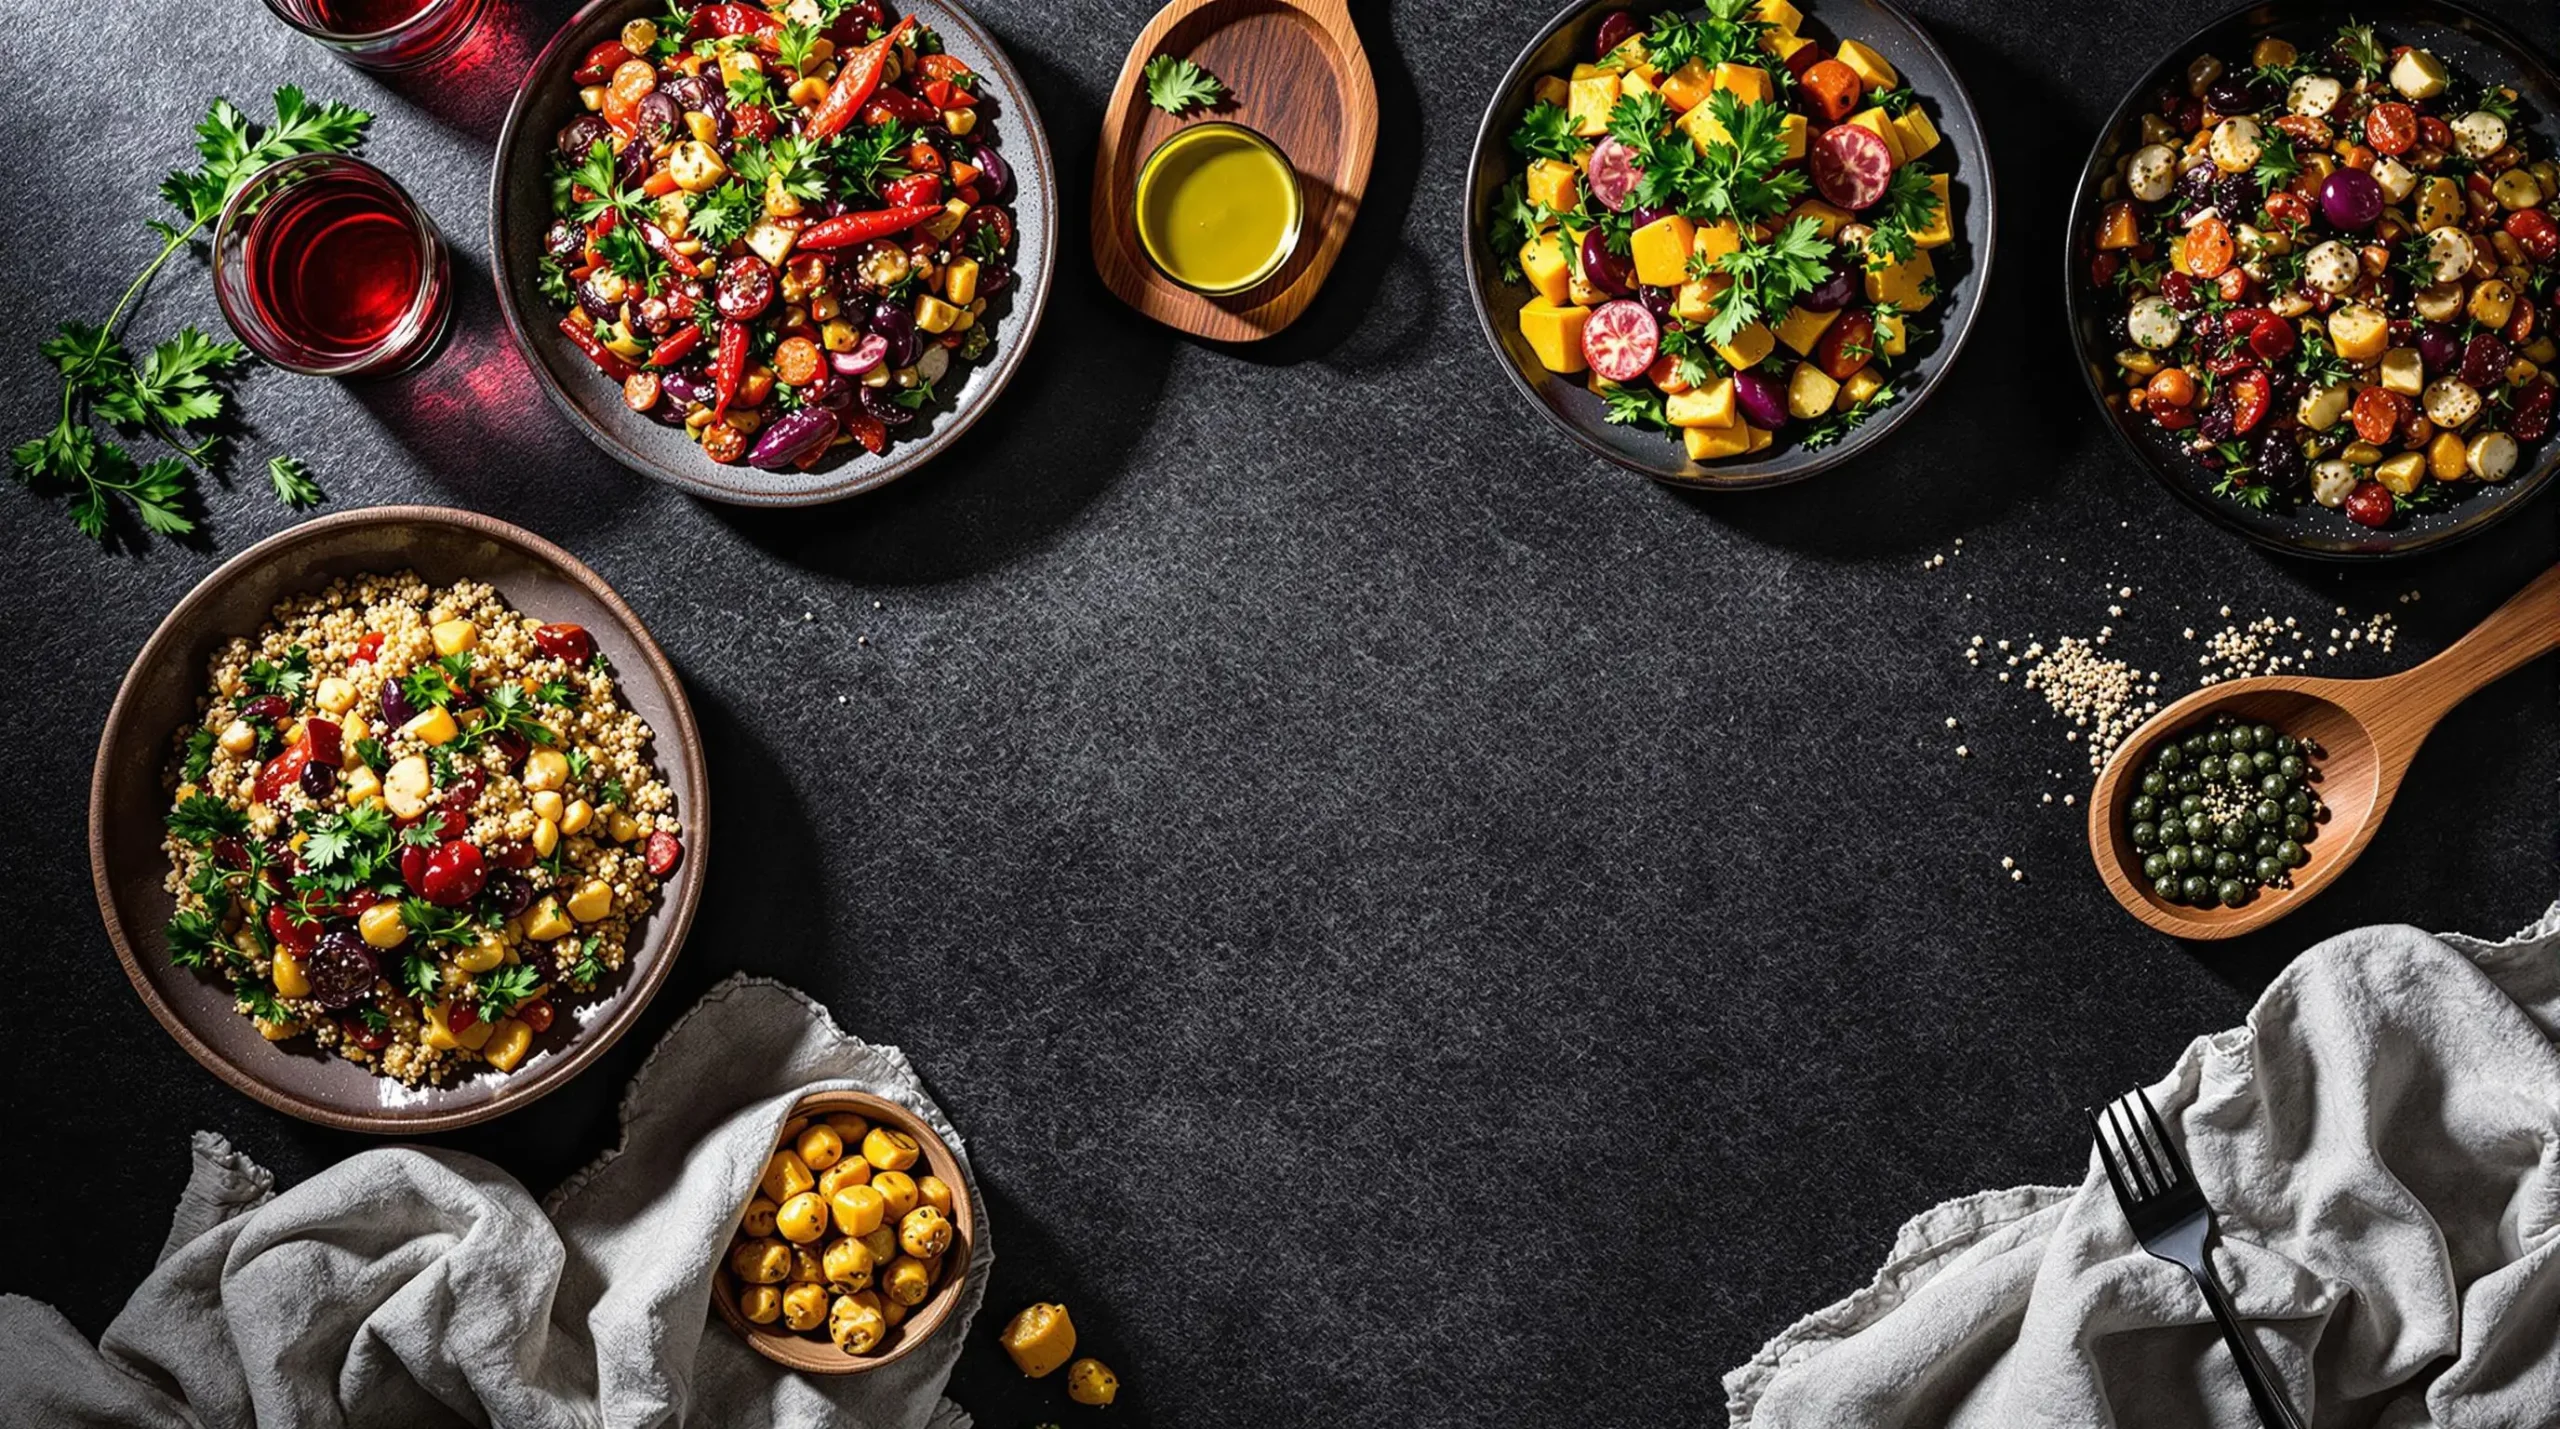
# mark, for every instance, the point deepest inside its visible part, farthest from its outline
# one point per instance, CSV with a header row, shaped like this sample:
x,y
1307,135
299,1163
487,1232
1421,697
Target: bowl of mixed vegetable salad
x,y
1729,246
2312,272
773,254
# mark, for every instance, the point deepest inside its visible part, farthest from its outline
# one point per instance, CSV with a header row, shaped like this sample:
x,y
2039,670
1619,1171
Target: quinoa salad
x,y
409,820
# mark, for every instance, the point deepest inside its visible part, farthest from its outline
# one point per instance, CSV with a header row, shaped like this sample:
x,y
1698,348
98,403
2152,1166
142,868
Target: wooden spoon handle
x,y
2528,625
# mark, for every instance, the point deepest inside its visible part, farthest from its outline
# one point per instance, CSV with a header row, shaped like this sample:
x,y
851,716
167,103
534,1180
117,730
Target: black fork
x,y
2169,1215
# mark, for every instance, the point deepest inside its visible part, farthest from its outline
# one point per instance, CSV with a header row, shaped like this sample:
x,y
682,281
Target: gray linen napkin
x,y
412,1286
2381,1144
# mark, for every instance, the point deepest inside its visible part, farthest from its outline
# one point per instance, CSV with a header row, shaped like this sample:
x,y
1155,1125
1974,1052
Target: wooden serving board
x,y
1296,74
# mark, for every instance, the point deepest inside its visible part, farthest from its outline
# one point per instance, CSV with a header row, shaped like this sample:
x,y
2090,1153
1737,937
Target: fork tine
x,y
2168,1149
2137,1152
2107,1156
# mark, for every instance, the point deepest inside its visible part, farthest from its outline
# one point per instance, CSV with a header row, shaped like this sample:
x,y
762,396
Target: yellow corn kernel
x,y
960,281
547,804
804,1306
1090,1381
360,785
852,1171
1040,1339
380,926
433,726
803,1218
761,1262
785,1176
889,1149
758,1218
882,1241
489,950
848,1263
508,1044
452,637
545,769
934,315
857,1323
592,900
925,1233
334,695
546,837
897,1194
906,1281
544,922
288,975
858,1209
761,1304
819,1147
575,818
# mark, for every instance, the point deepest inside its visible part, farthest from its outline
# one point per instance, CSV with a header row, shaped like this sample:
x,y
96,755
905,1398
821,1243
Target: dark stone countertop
x,y
1414,924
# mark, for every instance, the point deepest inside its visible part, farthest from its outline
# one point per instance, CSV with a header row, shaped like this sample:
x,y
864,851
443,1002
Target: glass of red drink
x,y
323,265
384,34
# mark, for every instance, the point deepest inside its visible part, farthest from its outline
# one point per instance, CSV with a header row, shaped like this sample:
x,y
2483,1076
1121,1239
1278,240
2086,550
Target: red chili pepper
x,y
897,104
600,62
943,94
854,82
607,360
665,247
672,351
942,66
367,648
603,224
850,228
914,190
728,366
712,20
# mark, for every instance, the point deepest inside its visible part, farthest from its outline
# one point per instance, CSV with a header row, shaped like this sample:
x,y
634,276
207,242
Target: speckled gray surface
x,y
1414,924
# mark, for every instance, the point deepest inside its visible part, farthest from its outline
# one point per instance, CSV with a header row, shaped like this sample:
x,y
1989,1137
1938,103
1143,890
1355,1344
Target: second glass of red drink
x,y
323,265
384,34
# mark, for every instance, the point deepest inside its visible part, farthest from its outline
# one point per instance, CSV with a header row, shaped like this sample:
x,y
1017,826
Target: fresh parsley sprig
x,y
177,386
1174,85
1767,277
1725,34
1545,131
1909,205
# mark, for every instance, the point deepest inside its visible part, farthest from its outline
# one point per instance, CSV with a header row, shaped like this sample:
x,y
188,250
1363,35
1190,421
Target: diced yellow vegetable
x,y
1939,231
1040,1339
1549,269
1869,66
438,1031
1701,127
508,1044
934,315
1748,347
1919,136
1593,98
359,785
1630,59
1909,284
1550,90
544,922
452,637
1748,83
485,952
1554,331
1760,440
2402,473
1792,133
1779,13
960,282
1696,300
1687,87
1716,443
2359,333
1875,121
1810,392
592,900
1826,219
1714,240
1781,46
434,725
1635,82
289,975
1552,182
1709,406
1891,335
1661,251
1862,384
1801,329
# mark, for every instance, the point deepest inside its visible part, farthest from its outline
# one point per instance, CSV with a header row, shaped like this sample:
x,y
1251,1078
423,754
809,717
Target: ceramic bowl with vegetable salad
x,y
779,228
2330,266
409,822
1728,225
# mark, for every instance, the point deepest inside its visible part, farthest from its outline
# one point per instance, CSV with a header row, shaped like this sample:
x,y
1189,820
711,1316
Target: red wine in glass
x,y
324,265
384,34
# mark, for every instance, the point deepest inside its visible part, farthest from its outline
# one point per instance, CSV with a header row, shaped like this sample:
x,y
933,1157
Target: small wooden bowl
x,y
128,806
793,1349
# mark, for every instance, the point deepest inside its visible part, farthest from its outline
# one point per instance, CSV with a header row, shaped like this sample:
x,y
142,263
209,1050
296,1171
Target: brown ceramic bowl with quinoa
x,y
398,819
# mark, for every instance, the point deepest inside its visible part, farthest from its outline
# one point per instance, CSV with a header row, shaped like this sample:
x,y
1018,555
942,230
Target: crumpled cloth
x,y
411,1286
2381,1146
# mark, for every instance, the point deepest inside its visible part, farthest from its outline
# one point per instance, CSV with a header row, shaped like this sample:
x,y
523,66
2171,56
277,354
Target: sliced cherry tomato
x,y
943,66
913,189
601,62
942,94
2251,394
2273,338
562,640
288,928
367,648
2392,128
2435,131
2378,412
1665,374
2175,419
2234,284
1620,340
2208,250
2171,387
2290,209
364,1036
2535,232
868,430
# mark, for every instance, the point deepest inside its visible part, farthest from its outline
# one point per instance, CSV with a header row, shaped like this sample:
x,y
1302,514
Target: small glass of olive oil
x,y
1219,208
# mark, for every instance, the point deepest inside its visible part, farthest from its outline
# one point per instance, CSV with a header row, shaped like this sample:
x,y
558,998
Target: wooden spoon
x,y
2367,731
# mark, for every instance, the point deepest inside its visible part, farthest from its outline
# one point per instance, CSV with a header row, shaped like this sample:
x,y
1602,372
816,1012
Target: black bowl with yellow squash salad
x,y
1729,246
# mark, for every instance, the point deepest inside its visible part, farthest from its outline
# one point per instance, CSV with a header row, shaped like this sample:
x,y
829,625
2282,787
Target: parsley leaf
x,y
259,1001
195,938
288,677
1722,35
2276,161
500,989
1767,277
202,818
1545,131
292,482
583,973
1176,85
1832,427
1635,407
199,760
420,976
2358,47
866,157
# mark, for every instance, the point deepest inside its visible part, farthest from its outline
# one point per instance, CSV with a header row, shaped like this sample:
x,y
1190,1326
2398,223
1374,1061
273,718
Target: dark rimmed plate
x,y
2468,42
520,209
1964,267
128,805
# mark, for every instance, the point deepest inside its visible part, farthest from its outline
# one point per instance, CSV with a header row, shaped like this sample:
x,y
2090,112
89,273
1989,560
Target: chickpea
x,y
852,1171
882,1241
807,1267
820,1148
761,1304
906,1281
856,1327
848,1126
934,1192
758,1220
1090,1381
803,1218
897,1191
1040,1339
858,1209
761,1262
924,1233
889,1149
804,1307
849,1263
786,1176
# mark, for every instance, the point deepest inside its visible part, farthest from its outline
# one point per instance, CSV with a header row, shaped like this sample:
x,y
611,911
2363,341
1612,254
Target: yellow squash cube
x,y
1661,251
1551,89
1687,87
1892,336
1780,14
1696,300
1554,332
1635,82
1800,329
1862,384
1810,392
1715,443
1748,347
1748,83
1544,262
1919,136
1782,46
1792,133
1555,183
1760,441
1940,229
1717,239
1703,130
1869,66
1827,220
1709,406
1907,285
1875,121
1592,100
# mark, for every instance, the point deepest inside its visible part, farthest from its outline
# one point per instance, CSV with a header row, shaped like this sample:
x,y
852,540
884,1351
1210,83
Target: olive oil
x,y
1218,208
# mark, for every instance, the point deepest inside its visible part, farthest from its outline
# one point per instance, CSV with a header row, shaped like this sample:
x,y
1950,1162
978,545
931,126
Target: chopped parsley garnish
x,y
506,710
867,157
201,818
195,938
501,989
259,1001
1836,425
1635,407
1910,204
373,754
725,213
583,973
1515,221
1767,277
421,977
1723,35
1175,85
1545,131
2358,47
199,760
440,683
290,479
2276,162
287,677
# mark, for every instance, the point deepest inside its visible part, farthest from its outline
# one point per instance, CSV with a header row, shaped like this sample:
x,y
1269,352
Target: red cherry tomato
x,y
2435,131
663,852
455,874
2377,413
2535,231
290,930
1852,166
1620,340
2531,419
2392,128
2272,339
536,1014
282,772
363,1036
2370,504
564,641
2209,248
367,648
2251,394
2290,209
413,866
462,1017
